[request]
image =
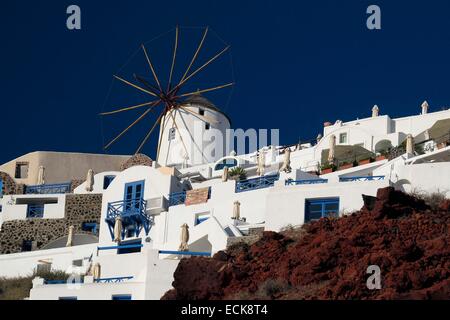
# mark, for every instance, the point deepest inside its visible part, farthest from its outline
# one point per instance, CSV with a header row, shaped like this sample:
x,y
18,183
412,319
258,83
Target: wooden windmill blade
x,y
130,126
195,55
200,69
152,68
149,133
174,57
128,108
135,86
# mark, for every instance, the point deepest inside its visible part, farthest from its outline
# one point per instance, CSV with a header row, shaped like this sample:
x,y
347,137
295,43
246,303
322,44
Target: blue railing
x,y
133,215
49,189
81,280
291,182
113,280
177,198
186,253
35,211
129,246
256,183
363,178
126,207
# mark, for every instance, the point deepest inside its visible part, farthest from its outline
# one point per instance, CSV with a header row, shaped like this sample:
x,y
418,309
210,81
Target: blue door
x,y
1,188
134,194
321,208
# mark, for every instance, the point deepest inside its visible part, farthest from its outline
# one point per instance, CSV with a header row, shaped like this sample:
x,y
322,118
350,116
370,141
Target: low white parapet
x,y
38,281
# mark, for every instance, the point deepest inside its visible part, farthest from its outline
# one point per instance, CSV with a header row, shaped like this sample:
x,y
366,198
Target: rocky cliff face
x,y
328,259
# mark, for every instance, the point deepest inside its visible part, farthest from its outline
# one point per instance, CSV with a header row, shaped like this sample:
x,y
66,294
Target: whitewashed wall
x,y
24,263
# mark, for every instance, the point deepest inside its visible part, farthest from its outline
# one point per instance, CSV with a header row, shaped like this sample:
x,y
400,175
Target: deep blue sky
x,y
296,64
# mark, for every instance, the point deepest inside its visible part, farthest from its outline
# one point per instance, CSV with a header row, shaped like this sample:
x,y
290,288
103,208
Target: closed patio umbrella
x,y
70,237
261,163
237,210
41,176
225,174
286,167
97,271
184,238
90,181
409,144
332,152
118,230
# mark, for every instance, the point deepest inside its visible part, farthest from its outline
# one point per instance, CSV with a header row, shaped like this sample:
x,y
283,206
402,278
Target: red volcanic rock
x,y
400,234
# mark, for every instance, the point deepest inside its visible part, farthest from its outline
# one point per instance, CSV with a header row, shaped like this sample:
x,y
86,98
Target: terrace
x,y
60,188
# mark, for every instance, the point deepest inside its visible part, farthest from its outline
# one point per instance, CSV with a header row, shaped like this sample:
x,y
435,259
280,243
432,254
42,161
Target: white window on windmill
x,y
172,132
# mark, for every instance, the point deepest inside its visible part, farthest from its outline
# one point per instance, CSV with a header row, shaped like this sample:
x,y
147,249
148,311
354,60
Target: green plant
x,y
327,165
18,288
238,173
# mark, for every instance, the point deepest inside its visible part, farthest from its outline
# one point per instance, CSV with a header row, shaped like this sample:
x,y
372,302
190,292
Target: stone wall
x,y
137,160
79,208
254,234
9,185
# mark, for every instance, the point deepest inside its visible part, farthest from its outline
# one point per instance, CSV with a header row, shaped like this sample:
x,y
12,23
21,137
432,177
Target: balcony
x,y
133,214
364,178
177,198
256,183
291,182
49,189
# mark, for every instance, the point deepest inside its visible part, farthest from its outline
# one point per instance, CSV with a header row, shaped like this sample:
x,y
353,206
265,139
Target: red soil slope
x,y
328,259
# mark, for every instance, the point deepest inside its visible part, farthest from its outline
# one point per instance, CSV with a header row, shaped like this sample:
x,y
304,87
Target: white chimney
x,y
375,111
425,107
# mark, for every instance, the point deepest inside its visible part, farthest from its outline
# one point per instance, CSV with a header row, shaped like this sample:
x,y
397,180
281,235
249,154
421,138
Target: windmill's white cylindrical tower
x,y
186,140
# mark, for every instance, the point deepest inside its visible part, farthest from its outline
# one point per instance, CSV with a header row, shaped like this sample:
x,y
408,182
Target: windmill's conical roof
x,y
199,100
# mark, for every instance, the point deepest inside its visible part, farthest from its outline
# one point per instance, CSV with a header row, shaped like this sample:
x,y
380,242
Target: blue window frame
x,y
200,220
35,211
1,188
121,297
27,245
107,181
134,193
128,244
316,209
90,227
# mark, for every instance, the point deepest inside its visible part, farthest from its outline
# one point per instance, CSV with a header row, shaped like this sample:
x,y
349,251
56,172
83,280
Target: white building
x,y
156,201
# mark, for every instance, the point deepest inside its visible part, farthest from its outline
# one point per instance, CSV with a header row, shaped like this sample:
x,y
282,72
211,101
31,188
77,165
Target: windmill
x,y
168,100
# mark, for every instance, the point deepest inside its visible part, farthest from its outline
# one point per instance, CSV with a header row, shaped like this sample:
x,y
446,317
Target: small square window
x,y
107,181
43,268
201,112
77,263
202,217
172,134
343,138
27,245
21,170
207,126
133,246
